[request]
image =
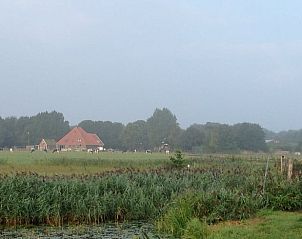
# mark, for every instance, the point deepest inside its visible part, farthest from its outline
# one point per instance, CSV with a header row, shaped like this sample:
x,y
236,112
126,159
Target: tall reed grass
x,y
216,194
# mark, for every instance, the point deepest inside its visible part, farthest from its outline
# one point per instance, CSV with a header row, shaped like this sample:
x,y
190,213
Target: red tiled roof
x,y
79,137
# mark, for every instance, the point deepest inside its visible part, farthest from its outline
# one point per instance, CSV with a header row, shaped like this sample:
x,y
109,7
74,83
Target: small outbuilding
x,y
47,144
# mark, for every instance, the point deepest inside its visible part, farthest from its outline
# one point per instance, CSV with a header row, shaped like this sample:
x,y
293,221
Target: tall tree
x,y
162,127
250,137
22,132
8,132
30,130
219,138
192,137
135,136
109,132
46,125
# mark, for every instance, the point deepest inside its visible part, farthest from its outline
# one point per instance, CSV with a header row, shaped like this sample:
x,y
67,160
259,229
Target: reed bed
x,y
130,194
143,187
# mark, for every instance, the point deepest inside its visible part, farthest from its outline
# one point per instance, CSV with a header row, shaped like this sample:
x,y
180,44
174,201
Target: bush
x,y
178,159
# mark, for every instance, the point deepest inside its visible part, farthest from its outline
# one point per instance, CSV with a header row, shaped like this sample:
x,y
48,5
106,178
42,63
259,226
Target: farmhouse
x,y
47,144
79,139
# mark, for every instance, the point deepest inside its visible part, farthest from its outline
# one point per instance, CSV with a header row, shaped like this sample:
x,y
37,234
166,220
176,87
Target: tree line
x,y
290,140
30,130
160,129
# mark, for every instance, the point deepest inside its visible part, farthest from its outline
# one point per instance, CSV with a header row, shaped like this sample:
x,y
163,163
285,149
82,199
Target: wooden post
x,y
282,157
290,169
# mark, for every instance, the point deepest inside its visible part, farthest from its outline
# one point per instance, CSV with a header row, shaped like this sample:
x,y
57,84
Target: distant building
x,y
164,148
47,144
79,139
272,141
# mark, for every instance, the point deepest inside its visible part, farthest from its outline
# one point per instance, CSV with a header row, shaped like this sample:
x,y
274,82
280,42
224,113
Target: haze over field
x,y
221,61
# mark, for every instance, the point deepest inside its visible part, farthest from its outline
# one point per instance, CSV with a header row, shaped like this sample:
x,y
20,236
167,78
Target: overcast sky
x,y
222,61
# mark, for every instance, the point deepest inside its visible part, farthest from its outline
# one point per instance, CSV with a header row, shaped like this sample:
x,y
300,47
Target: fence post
x,y
290,169
282,157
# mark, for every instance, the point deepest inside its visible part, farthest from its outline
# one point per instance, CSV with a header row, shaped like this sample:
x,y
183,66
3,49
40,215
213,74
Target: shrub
x,y
178,159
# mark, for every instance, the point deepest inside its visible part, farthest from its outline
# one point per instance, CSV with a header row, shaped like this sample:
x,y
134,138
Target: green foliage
x,y
176,217
139,135
30,130
109,132
120,195
195,229
163,126
7,131
225,205
289,137
212,206
215,189
192,137
220,139
250,137
135,136
226,138
178,160
284,195
290,140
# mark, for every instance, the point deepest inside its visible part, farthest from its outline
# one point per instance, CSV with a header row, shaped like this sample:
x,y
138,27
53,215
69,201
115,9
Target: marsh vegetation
x,y
124,187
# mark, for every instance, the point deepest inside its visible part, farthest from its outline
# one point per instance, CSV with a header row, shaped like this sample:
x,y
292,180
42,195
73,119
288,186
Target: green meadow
x,y
67,163
266,225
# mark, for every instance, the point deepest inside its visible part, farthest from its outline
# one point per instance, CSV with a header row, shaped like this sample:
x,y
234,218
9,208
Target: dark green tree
x,y
109,132
135,136
163,128
249,137
8,132
192,137
30,130
219,138
46,125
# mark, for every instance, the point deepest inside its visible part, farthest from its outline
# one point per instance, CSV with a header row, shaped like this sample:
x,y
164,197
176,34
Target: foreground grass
x,y
268,225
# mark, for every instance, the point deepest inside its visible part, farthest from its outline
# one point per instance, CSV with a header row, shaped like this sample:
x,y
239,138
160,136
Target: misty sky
x,y
225,61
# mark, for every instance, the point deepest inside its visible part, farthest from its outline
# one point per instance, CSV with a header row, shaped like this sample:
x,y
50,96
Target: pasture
x,y
267,224
70,163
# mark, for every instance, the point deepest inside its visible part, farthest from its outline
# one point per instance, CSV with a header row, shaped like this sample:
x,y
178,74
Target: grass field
x,y
68,163
266,225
